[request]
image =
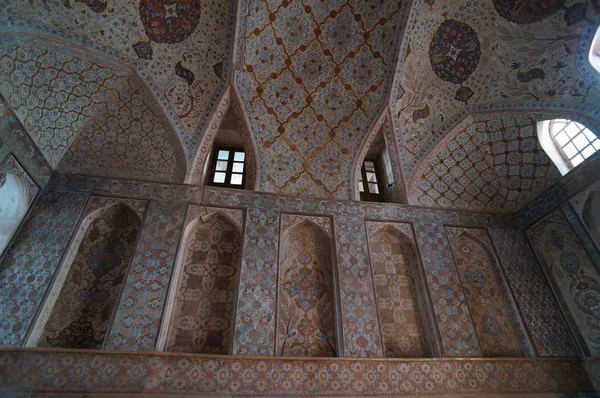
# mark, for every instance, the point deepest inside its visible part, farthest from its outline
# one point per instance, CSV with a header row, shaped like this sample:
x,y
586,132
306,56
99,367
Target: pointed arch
x,y
80,306
382,130
228,102
201,302
487,302
394,263
116,126
305,303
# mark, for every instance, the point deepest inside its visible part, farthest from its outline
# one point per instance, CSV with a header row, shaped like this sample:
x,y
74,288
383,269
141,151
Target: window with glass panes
x,y
368,182
228,168
575,142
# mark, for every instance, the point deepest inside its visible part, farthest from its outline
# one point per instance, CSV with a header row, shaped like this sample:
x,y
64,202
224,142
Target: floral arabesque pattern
x,y
90,293
474,260
306,322
394,261
202,319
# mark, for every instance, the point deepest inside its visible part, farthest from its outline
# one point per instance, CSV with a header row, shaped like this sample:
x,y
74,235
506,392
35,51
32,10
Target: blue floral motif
x,y
474,277
305,288
569,262
454,51
490,325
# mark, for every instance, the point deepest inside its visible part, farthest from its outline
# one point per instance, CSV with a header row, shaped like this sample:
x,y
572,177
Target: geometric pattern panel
x,y
182,48
316,74
467,56
571,272
125,138
305,309
449,303
255,317
174,375
362,336
204,301
136,323
25,273
53,92
486,163
394,263
99,118
89,295
477,268
542,316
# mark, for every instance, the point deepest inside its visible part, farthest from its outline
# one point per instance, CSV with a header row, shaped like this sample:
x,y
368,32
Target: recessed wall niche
x,y
394,264
81,304
201,304
492,312
306,307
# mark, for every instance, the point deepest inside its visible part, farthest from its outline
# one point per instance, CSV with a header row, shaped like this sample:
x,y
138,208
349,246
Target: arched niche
x,y
79,309
489,308
379,147
306,299
228,129
14,202
394,262
591,215
202,301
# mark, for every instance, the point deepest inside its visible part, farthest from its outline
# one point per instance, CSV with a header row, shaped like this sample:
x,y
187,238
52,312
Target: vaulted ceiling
x,y
137,89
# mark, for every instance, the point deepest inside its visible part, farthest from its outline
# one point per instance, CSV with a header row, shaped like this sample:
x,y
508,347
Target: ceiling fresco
x,y
87,113
487,163
316,75
183,45
139,89
463,56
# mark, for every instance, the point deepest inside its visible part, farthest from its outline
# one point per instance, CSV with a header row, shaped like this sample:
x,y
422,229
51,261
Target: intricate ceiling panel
x,y
52,89
316,74
467,56
125,138
487,163
88,113
184,45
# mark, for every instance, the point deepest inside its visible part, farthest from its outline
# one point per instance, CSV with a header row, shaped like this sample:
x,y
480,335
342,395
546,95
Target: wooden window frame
x,y
365,194
229,171
560,147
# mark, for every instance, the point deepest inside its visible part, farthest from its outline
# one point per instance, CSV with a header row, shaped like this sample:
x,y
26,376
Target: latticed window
x,y
574,141
368,183
228,169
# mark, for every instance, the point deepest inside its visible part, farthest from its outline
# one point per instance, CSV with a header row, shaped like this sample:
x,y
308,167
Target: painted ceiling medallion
x,y
527,11
169,21
454,51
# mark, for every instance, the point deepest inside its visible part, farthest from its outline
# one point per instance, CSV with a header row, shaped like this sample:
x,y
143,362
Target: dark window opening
x,y
369,182
228,168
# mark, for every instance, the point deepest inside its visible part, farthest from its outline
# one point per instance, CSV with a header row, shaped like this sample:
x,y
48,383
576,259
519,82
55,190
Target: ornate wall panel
x,y
571,273
152,373
81,315
394,264
30,262
202,320
478,271
451,310
488,163
547,328
582,229
255,317
358,308
306,296
136,322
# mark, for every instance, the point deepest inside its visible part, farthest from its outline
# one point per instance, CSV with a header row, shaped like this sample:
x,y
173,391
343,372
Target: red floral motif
x,y
169,21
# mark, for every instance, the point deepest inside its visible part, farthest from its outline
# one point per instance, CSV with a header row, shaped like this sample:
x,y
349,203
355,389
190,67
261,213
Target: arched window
x,y
594,55
14,201
567,143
